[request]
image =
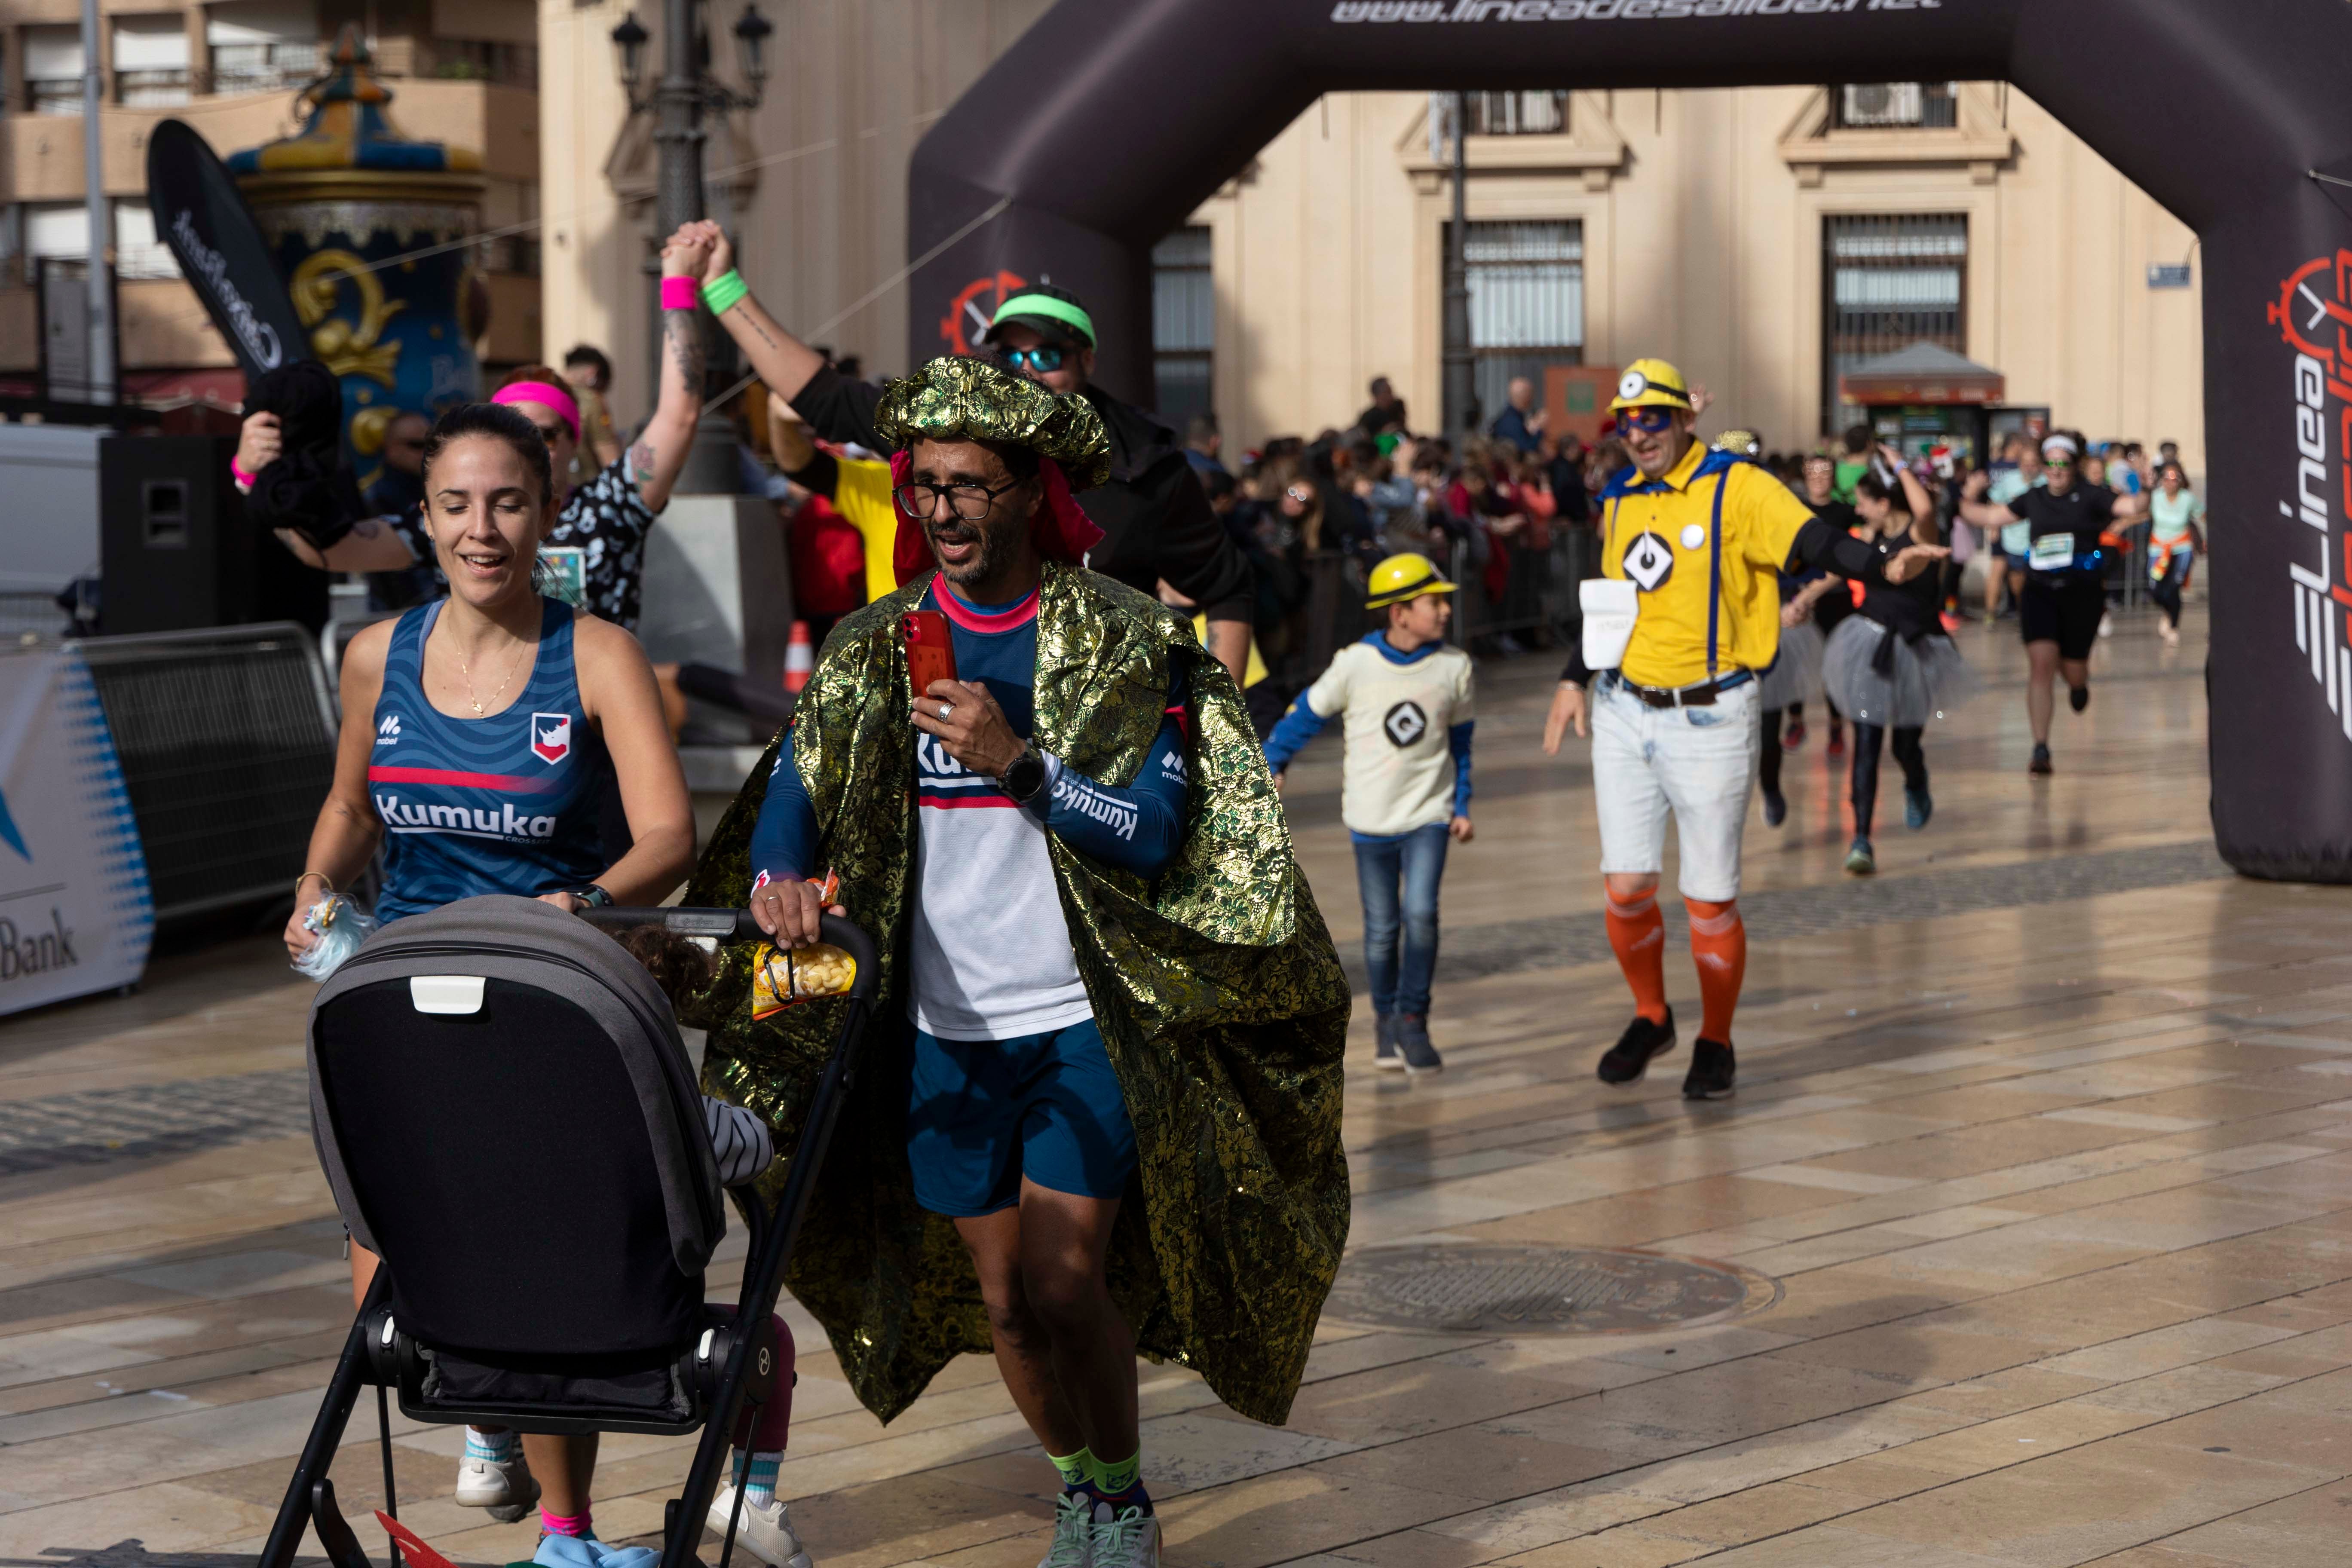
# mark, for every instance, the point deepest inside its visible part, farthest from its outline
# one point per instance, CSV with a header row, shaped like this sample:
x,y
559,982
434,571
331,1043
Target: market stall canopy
x,y
1921,373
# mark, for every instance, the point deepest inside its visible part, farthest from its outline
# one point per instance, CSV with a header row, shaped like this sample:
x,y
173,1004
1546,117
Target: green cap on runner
x,y
1056,317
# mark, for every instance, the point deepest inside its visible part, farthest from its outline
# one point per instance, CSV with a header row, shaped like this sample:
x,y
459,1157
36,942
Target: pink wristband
x,y
237,471
680,294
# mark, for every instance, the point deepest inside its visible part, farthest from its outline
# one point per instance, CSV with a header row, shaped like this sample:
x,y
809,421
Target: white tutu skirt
x,y
1922,681
1796,676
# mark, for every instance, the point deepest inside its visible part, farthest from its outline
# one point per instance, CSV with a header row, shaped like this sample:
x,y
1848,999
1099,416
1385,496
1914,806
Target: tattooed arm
x,y
660,451
777,357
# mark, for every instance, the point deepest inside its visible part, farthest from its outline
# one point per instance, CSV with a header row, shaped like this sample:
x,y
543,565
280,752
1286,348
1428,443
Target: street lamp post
x,y
679,101
1461,382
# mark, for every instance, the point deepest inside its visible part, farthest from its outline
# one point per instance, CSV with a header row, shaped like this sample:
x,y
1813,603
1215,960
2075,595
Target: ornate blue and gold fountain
x,y
370,230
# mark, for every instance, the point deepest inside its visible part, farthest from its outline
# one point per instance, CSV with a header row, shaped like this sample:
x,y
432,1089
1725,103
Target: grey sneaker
x,y
1412,1041
1127,1538
1384,1052
505,1490
1074,1533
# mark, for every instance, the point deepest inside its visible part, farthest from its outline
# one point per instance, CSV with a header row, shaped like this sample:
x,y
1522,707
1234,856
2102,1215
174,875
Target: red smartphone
x,y
931,650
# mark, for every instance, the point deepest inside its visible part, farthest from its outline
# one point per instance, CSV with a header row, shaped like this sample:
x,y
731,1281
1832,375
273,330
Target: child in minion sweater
x,y
1404,787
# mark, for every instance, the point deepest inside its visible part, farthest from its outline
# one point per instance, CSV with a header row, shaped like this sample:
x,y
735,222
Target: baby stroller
x,y
528,1039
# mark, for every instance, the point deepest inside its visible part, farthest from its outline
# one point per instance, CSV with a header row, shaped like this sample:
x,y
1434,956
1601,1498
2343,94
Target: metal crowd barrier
x,y
1539,595
227,739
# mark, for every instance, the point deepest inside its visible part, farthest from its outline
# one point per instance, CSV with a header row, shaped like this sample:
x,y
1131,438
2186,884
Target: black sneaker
x,y
2040,766
1629,1058
1711,1071
1918,805
1384,1050
1776,809
1412,1041
2078,698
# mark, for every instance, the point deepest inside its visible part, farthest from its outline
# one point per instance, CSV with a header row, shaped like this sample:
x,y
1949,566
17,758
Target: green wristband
x,y
722,294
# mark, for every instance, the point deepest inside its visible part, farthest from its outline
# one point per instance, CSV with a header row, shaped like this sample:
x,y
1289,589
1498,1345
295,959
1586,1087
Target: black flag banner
x,y
212,233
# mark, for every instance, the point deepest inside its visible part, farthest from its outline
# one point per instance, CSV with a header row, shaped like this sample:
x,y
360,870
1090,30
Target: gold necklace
x,y
471,696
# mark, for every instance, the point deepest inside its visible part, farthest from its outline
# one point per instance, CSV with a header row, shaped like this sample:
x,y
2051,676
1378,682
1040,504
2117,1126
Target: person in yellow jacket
x,y
1685,619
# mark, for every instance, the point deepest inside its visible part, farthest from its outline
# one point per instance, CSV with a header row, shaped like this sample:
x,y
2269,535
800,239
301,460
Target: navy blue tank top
x,y
509,804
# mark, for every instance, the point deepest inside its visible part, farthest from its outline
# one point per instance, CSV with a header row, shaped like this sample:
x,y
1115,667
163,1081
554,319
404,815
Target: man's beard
x,y
999,541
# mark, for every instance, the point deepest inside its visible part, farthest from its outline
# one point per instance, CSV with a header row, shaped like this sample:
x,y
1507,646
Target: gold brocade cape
x,y
1215,985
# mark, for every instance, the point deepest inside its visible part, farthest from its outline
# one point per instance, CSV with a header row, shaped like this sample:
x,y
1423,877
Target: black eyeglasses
x,y
969,502
1044,358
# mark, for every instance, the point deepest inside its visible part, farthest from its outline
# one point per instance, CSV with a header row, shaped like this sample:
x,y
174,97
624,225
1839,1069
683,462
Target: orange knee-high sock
x,y
1719,943
1637,934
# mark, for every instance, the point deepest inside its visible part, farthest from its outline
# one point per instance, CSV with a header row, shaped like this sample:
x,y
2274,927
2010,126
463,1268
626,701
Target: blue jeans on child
x,y
1400,984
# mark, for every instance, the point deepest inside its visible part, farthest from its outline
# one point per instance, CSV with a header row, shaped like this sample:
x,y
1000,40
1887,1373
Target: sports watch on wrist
x,y
1026,776
592,897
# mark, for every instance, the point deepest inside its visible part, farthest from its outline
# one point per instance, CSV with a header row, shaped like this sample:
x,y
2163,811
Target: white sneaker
x,y
1074,1533
1130,1540
2107,623
765,1529
506,1489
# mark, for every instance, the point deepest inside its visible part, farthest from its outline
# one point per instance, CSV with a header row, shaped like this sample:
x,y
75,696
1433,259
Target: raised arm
x,y
661,450
777,357
1981,513
371,545
1916,499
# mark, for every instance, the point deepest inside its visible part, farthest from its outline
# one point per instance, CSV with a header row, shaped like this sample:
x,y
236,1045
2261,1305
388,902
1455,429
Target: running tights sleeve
x,y
738,1139
784,838
1833,550
1457,741
1137,828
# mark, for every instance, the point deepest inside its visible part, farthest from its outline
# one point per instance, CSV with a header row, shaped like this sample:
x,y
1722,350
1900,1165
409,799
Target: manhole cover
x,y
1540,1290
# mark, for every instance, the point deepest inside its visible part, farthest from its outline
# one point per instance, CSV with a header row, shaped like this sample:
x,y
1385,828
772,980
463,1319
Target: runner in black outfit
x,y
1155,517
2065,589
1892,665
1837,604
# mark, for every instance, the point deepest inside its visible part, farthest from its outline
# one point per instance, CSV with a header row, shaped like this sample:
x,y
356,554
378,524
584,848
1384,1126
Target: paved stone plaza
x,y
2031,1227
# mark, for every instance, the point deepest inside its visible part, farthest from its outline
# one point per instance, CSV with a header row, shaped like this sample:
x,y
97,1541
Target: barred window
x,y
1183,325
1526,302
1888,281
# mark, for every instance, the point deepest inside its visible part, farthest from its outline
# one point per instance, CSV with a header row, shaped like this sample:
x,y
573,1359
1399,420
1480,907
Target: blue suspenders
x,y
1715,569
1714,562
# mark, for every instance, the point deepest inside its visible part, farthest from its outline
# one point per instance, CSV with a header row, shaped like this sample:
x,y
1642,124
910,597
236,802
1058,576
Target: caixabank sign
x,y
75,914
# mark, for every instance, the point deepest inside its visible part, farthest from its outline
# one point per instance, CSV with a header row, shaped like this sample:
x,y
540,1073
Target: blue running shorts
x,y
981,1114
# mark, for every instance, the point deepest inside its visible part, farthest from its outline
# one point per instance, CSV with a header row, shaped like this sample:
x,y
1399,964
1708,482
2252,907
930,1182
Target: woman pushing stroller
x,y
485,728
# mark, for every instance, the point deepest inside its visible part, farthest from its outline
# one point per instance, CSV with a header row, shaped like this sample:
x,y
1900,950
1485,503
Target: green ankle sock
x,y
1077,1469
1114,1481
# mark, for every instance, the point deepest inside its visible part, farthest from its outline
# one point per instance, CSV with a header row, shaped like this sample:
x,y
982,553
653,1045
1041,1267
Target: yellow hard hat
x,y
1650,383
1403,577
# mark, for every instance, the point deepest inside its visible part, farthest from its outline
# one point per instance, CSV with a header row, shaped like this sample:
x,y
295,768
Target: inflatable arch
x,y
1109,120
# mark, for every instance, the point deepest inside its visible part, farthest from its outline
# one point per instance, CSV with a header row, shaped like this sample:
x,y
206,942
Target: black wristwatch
x,y
592,897
1026,776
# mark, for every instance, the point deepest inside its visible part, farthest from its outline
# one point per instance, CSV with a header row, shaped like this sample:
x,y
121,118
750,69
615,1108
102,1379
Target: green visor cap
x,y
1046,305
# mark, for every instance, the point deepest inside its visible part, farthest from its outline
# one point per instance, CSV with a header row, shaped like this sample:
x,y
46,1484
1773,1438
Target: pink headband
x,y
553,396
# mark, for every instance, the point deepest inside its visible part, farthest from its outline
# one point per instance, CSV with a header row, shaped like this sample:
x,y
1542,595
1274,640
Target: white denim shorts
x,y
1696,762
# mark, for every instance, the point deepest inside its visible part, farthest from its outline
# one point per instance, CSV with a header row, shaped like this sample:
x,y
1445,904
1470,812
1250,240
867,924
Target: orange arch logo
x,y
973,307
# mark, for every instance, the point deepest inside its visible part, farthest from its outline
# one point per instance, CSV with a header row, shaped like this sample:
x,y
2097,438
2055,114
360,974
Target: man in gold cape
x,y
1218,994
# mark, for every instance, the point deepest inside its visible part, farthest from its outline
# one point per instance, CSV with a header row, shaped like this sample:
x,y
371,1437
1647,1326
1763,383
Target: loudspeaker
x,y
176,550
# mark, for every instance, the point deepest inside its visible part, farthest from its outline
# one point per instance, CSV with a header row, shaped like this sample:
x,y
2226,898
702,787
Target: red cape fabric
x,y
1061,529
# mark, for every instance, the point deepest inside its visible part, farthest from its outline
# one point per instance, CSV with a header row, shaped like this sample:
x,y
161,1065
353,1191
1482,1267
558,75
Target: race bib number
x,y
563,574
2052,553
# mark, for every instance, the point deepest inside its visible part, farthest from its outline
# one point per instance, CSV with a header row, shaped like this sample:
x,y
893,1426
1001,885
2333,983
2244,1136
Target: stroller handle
x,y
737,925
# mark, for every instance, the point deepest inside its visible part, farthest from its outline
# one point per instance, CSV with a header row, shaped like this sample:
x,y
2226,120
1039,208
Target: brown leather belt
x,y
1703,695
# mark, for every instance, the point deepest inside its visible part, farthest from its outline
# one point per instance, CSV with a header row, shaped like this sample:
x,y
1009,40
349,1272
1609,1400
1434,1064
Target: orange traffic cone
x,y
799,659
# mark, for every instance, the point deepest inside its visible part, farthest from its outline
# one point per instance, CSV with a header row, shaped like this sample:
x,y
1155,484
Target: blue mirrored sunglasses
x,y
1650,418
1044,358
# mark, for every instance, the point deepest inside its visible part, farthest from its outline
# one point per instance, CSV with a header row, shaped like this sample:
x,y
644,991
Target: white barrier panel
x,y
75,914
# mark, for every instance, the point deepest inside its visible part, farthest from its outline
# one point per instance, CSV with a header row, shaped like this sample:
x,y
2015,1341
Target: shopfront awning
x,y
1922,373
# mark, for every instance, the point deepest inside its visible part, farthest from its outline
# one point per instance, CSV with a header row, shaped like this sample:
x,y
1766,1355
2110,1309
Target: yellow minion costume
x,y
1703,544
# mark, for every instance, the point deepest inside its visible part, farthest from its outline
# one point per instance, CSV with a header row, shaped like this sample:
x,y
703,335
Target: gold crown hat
x,y
959,397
